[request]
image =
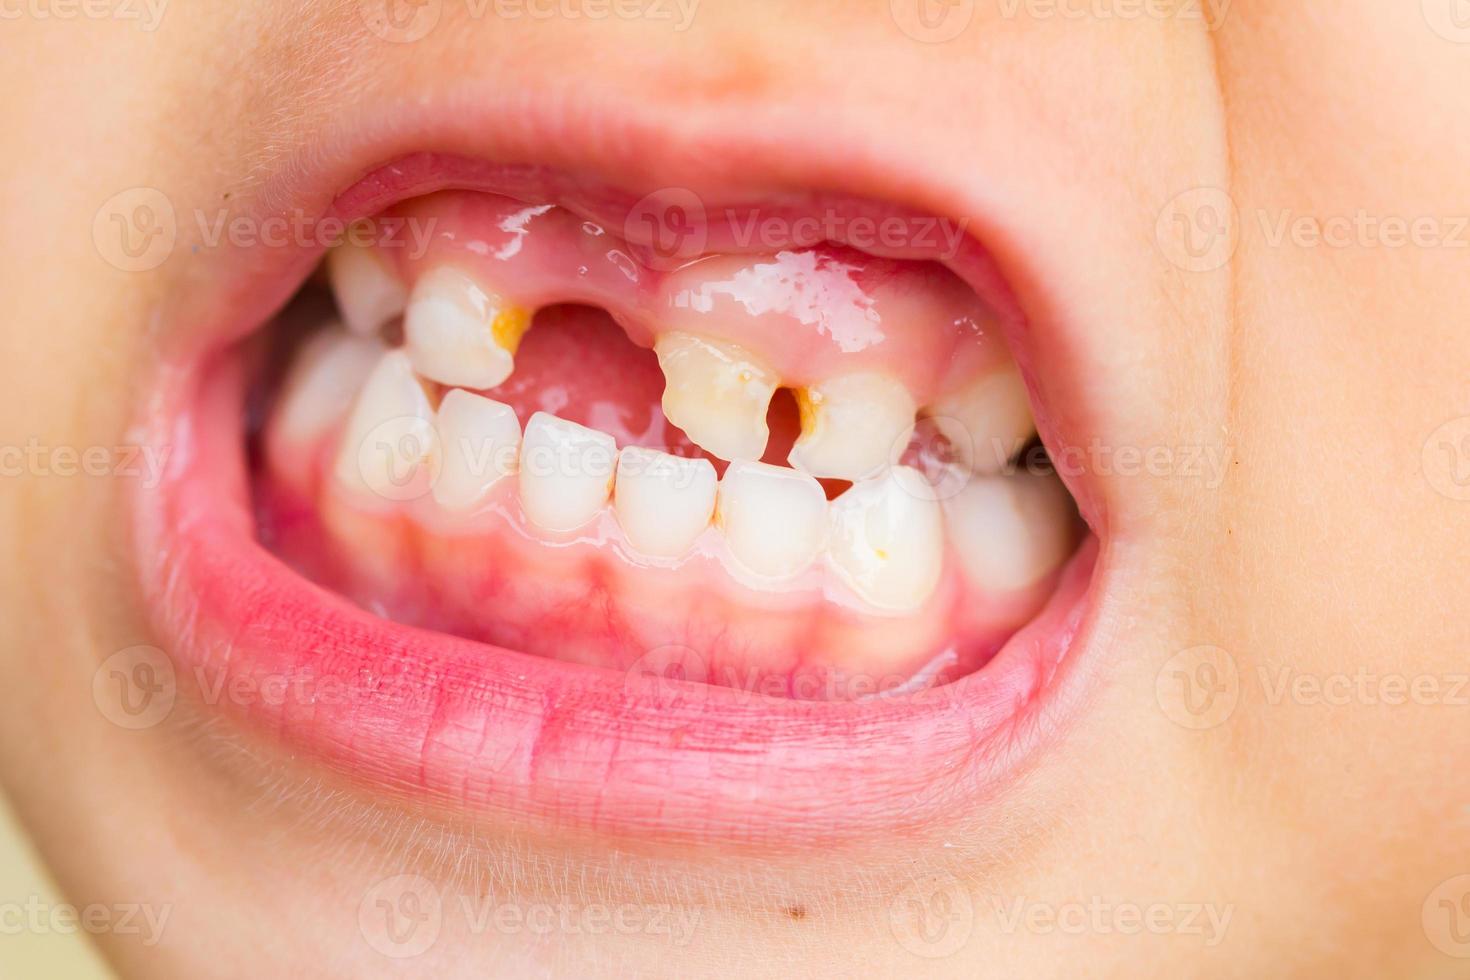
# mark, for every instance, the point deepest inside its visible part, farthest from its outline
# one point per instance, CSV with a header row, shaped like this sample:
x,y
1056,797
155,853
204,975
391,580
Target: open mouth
x,y
531,512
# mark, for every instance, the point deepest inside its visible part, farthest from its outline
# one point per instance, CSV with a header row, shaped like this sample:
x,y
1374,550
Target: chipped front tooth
x,y
853,426
775,519
718,393
566,472
1010,531
663,502
987,421
369,294
888,539
460,333
324,379
390,447
480,441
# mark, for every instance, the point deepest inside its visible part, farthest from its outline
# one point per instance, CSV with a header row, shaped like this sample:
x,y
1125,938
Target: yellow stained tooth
x,y
852,426
459,332
718,393
509,326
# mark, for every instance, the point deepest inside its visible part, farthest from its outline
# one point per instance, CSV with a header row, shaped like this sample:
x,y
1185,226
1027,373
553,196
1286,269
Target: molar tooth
x,y
368,292
888,539
775,519
717,392
663,502
460,333
986,421
479,440
566,472
390,447
852,426
1011,530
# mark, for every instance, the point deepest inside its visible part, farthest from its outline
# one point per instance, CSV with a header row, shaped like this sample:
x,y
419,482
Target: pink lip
x,y
495,732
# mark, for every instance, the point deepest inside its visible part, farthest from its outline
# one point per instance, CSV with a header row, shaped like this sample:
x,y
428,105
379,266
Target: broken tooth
x,y
480,442
775,519
369,294
663,502
987,421
853,426
390,447
1012,530
718,393
888,539
566,472
460,333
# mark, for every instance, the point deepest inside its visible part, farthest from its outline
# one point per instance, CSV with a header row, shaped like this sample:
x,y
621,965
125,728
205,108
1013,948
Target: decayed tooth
x,y
566,472
1012,530
986,421
775,519
390,447
717,392
368,292
663,502
853,426
460,333
324,379
888,539
480,442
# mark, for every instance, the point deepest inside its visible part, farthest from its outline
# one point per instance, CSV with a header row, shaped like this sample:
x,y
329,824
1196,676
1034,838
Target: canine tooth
x,y
775,519
1011,530
566,472
986,421
460,333
717,392
852,426
479,440
324,378
368,292
888,539
390,447
663,502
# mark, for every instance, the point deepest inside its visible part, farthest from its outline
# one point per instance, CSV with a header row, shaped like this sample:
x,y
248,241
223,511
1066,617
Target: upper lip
x,y
499,732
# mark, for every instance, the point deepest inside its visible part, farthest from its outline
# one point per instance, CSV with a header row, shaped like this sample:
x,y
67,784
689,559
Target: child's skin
x,y
1304,833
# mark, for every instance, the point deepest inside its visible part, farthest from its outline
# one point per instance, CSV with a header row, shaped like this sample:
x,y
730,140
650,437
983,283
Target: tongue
x,y
577,364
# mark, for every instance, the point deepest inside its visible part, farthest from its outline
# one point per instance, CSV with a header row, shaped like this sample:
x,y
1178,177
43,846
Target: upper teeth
x,y
460,333
853,426
368,293
718,393
987,421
